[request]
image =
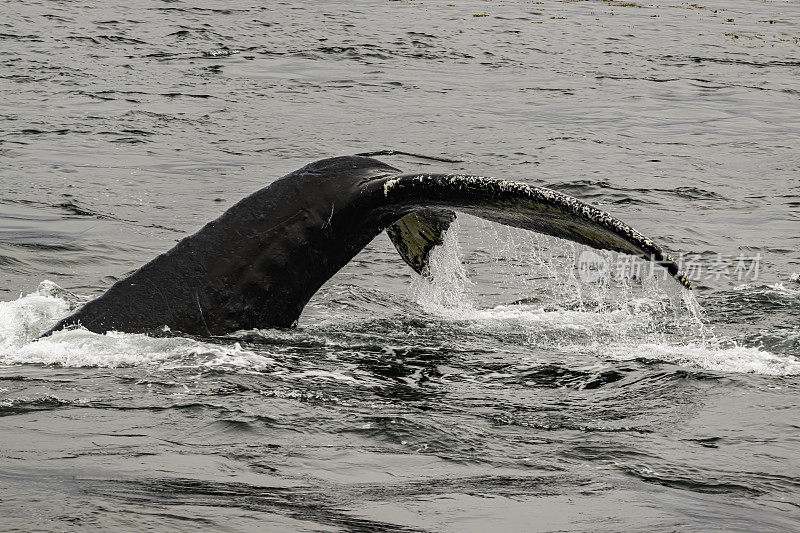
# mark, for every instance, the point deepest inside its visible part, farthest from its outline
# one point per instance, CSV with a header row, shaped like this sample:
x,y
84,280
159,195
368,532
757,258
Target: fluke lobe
x,y
258,264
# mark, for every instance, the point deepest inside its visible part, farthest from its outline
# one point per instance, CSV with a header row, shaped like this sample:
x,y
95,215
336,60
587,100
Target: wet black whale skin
x,y
259,263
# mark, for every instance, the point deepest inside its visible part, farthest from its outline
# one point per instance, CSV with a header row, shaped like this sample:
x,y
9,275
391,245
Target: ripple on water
x,y
444,407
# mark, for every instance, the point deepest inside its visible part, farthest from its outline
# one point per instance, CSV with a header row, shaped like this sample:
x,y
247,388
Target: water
x,y
508,393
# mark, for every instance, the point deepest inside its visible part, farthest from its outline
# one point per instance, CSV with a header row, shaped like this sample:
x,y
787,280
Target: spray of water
x,y
612,315
24,319
544,301
447,290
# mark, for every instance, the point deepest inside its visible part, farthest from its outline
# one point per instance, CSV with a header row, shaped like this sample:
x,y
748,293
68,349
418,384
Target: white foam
x,y
82,348
628,334
653,322
27,317
775,289
634,327
739,359
23,320
538,324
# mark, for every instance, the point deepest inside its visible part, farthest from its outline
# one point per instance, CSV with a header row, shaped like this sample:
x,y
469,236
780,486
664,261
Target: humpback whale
x,y
259,263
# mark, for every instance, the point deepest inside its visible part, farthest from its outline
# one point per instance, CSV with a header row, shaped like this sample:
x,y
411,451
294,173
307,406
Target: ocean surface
x,y
519,390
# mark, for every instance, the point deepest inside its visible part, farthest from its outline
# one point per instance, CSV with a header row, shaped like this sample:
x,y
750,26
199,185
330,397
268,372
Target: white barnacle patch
x,y
388,186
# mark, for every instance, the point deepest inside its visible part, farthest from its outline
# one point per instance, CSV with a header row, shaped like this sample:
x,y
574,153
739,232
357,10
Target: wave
x,y
22,321
83,348
710,356
650,325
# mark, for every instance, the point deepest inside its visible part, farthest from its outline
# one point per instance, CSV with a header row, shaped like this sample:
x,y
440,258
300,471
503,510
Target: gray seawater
x,y
511,392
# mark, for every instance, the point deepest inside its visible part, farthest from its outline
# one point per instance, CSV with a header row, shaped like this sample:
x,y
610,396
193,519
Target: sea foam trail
x,y
22,321
83,348
622,335
634,329
738,359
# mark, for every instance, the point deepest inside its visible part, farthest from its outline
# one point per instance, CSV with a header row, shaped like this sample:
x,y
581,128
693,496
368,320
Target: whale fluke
x,y
258,264
532,208
417,233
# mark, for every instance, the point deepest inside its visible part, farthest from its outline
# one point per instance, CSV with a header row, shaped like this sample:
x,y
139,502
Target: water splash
x,y
644,318
448,289
538,273
83,348
24,319
648,320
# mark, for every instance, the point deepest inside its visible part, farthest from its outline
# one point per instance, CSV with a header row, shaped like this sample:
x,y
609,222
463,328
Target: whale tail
x,y
261,261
